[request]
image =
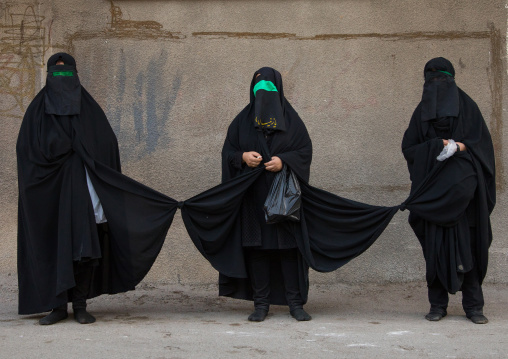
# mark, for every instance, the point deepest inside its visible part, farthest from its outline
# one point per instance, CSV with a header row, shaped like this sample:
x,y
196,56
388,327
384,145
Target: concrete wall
x,y
171,75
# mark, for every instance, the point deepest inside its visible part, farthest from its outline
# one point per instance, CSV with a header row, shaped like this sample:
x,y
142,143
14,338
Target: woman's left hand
x,y
461,146
274,165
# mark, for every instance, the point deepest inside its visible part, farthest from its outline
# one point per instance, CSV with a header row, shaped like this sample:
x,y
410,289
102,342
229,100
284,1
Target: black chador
x,y
84,229
268,263
452,218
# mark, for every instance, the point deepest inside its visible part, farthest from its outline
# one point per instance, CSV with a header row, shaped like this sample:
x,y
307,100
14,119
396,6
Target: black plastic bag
x,y
284,199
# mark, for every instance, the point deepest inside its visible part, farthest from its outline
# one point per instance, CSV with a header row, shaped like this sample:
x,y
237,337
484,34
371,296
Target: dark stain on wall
x,y
122,75
117,111
137,107
155,102
149,111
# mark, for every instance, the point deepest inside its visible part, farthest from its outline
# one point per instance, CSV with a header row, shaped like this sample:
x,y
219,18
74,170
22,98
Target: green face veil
x,y
268,112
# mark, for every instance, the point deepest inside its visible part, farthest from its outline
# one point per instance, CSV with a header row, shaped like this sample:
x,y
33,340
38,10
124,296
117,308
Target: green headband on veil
x,y
264,85
446,72
63,73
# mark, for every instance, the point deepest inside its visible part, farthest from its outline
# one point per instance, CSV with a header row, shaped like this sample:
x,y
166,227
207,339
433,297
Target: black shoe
x,y
477,318
55,316
435,316
258,315
300,315
83,317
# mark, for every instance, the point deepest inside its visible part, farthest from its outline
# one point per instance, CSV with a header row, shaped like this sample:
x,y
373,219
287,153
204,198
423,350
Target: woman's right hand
x,y
252,158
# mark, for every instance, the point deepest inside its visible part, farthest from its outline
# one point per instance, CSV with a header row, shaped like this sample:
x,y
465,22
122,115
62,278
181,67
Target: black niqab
x,y
269,100
440,96
63,89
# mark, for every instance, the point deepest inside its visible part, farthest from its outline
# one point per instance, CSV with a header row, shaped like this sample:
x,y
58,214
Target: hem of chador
x,y
268,248
88,261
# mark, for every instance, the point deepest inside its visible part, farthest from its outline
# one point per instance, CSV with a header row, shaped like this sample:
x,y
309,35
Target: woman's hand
x,y
252,158
461,145
274,165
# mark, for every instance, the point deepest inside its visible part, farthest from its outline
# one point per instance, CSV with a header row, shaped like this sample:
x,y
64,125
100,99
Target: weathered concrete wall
x,y
171,75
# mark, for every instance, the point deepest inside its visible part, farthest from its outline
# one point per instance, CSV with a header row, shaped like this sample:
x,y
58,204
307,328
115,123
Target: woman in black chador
x,y
269,133
268,263
447,142
71,245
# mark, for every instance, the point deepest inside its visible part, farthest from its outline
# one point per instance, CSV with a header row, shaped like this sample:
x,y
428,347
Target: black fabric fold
x,y
212,221
334,230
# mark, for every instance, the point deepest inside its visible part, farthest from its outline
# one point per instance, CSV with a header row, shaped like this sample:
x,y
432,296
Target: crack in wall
x,y
418,35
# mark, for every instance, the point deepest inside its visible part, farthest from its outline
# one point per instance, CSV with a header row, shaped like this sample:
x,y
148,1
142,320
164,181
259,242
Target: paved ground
x,y
173,321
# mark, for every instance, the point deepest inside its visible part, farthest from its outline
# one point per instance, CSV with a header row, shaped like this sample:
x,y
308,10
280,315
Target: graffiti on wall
x,y
23,42
141,110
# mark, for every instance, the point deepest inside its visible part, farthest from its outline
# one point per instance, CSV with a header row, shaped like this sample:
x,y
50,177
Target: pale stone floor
x,y
175,321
